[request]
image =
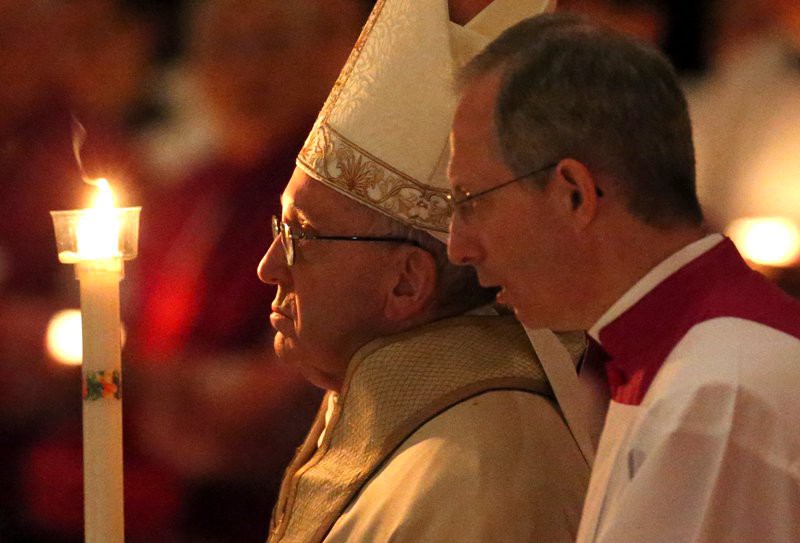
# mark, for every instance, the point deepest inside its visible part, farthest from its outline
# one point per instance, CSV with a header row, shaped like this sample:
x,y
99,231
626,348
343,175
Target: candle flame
x,y
98,230
104,198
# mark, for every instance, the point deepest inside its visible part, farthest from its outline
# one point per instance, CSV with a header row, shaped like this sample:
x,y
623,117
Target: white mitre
x,y
382,135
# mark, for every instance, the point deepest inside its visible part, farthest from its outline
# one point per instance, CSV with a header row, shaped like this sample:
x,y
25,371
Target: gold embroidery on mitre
x,y
338,162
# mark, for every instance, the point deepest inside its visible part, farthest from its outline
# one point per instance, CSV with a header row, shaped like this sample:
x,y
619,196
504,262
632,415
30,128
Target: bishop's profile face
x,y
329,302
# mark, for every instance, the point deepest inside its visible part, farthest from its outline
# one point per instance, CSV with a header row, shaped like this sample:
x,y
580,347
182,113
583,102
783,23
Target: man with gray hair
x,y
439,423
572,177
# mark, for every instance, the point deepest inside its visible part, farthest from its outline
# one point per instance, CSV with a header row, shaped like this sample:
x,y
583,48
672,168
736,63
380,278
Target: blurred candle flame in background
x,y
768,241
63,340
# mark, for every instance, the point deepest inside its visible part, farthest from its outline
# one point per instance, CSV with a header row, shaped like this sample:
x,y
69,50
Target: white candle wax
x,y
102,416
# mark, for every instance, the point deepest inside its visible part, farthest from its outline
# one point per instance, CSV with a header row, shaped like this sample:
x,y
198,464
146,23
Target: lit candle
x,y
97,240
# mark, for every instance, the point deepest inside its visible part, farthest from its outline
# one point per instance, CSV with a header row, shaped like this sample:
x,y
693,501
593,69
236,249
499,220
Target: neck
x,y
625,255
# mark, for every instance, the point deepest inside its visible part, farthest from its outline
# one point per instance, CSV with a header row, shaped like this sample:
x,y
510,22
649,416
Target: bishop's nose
x,y
273,268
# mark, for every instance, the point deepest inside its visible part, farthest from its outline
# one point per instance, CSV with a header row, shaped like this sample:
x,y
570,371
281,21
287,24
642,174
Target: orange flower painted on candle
x,y
102,384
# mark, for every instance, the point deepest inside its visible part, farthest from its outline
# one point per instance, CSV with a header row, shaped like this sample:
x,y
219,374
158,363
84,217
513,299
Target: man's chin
x,y
525,317
284,347
502,296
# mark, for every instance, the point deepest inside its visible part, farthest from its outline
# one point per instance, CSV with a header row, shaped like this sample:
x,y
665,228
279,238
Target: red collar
x,y
716,284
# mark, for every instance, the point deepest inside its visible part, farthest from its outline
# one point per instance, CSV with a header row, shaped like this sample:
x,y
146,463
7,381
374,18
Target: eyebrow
x,y
301,215
460,182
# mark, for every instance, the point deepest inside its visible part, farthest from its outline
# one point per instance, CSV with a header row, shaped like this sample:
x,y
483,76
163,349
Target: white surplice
x,y
701,441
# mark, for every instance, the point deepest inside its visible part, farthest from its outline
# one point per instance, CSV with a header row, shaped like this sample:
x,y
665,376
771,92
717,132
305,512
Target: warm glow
x,y
98,230
769,241
63,339
104,198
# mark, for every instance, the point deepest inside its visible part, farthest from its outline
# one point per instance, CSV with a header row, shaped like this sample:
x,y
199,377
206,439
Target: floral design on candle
x,y
102,384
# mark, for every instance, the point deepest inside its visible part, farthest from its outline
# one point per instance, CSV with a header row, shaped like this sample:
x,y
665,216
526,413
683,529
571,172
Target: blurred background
x,y
195,110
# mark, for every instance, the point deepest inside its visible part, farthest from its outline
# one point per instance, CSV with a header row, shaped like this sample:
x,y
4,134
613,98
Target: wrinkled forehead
x,y
308,199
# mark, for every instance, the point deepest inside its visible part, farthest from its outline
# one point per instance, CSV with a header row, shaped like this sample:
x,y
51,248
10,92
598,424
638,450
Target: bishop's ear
x,y
577,191
414,284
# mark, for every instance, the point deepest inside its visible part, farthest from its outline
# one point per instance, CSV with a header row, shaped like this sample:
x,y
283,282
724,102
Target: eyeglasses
x,y
288,237
460,198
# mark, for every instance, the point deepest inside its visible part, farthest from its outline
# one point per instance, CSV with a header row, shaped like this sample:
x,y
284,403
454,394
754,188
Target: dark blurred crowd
x,y
195,111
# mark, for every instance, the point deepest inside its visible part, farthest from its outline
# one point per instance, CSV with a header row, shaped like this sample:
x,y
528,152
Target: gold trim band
x,y
336,161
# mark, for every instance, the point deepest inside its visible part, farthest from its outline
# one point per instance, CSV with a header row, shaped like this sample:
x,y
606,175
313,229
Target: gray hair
x,y
570,89
457,287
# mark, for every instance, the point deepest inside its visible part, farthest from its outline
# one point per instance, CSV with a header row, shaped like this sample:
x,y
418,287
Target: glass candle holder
x,y
85,235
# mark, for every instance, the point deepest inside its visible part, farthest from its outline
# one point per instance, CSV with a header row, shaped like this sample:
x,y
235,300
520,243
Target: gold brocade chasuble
x,y
393,386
